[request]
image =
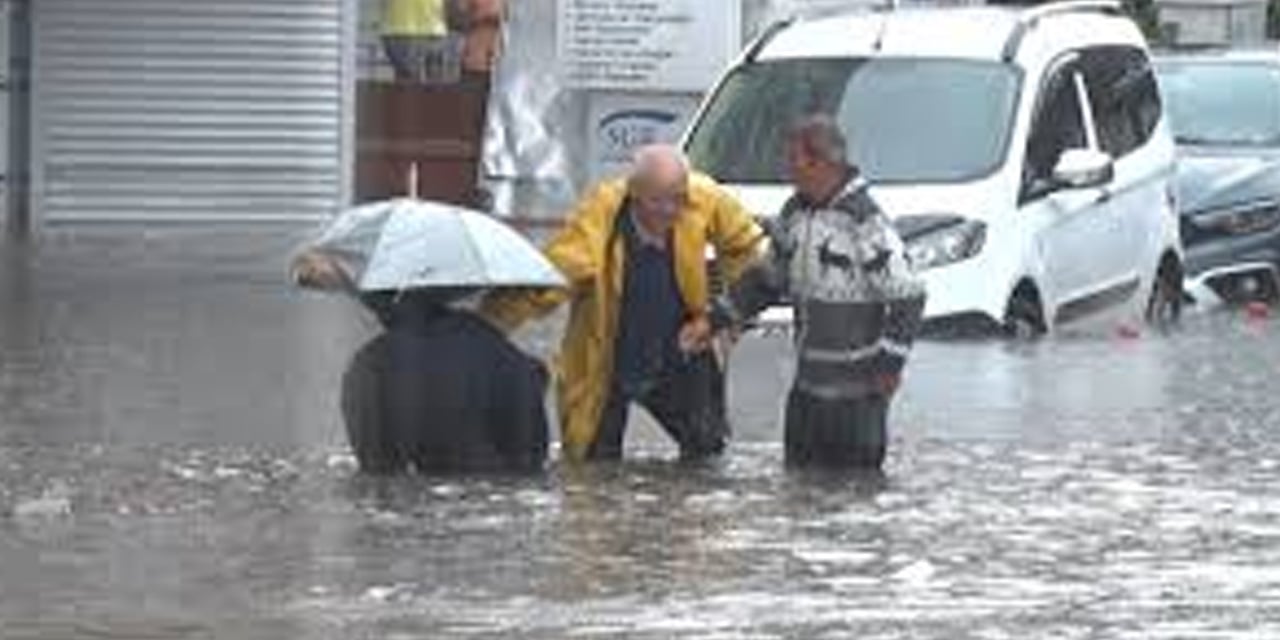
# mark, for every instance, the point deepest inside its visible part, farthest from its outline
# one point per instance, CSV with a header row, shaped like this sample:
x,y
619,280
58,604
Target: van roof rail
x,y
1028,18
765,36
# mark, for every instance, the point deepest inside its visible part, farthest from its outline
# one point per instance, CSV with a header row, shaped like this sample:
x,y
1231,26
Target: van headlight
x,y
947,245
1242,220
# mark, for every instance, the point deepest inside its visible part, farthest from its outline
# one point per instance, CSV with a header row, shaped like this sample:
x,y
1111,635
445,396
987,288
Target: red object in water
x,y
1128,332
1257,310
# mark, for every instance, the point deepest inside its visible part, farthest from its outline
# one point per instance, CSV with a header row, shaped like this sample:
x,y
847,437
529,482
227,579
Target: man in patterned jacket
x,y
837,259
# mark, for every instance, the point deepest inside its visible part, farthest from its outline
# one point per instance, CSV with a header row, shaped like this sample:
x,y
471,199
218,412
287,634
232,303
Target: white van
x,y
1022,153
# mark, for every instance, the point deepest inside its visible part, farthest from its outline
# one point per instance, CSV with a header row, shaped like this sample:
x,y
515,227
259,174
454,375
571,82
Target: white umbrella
x,y
409,244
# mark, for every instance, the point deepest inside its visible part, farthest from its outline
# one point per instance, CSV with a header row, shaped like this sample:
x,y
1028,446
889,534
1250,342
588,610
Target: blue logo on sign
x,y
623,131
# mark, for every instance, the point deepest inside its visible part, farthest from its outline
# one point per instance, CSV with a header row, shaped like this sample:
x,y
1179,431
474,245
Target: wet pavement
x,y
172,466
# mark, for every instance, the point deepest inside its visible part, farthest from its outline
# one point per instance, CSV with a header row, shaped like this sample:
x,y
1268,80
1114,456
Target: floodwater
x,y
172,466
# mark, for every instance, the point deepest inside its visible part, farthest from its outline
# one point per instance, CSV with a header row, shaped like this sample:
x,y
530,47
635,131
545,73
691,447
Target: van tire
x,y
1164,305
1024,315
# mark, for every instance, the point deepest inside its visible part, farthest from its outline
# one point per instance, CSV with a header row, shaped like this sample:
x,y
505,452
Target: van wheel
x,y
1023,316
1164,307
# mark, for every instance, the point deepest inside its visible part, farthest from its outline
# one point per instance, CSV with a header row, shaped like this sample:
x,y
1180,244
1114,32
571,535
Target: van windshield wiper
x,y
1228,142
1199,140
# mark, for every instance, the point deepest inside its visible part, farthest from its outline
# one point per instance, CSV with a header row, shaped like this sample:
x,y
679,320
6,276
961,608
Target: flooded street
x,y
172,466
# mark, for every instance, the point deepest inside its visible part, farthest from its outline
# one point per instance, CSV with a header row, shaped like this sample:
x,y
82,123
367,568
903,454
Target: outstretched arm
x,y
577,250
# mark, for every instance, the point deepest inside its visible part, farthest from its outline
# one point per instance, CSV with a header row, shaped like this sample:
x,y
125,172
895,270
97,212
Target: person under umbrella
x,y
439,389
442,390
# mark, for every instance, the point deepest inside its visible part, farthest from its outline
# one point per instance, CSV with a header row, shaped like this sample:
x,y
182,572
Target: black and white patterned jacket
x,y
843,269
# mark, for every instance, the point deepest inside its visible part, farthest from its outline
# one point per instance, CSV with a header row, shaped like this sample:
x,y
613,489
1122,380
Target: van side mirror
x,y
1083,168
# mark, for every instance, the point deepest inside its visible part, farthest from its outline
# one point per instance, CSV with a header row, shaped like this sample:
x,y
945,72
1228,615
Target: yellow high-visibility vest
x,y
413,18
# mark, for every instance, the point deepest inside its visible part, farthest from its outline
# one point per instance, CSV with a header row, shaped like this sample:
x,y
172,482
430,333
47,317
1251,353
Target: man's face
x,y
808,173
800,166
659,202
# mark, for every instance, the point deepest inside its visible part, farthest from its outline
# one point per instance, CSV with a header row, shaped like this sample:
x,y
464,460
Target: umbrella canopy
x,y
410,244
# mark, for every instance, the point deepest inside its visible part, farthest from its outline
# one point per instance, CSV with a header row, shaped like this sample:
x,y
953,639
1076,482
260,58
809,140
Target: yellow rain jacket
x,y
592,258
413,18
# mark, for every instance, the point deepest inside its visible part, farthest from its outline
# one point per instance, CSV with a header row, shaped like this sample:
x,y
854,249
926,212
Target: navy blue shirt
x,y
650,315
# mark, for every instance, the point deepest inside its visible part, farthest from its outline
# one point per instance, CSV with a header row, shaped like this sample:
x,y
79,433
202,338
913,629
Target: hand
x,y
729,336
695,335
887,384
321,271
722,343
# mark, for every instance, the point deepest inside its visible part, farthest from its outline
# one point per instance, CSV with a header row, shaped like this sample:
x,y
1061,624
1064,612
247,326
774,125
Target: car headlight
x,y
947,245
1240,221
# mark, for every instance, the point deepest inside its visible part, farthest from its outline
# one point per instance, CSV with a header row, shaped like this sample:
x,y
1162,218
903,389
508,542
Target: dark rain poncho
x,y
444,391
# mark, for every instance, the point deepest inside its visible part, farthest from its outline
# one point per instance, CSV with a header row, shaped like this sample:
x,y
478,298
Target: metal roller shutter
x,y
187,109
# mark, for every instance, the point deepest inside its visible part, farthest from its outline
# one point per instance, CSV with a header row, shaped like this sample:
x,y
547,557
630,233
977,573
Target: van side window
x,y
1123,96
1058,125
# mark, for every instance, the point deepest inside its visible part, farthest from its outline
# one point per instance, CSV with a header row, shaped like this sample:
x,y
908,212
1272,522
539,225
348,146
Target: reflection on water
x,y
165,474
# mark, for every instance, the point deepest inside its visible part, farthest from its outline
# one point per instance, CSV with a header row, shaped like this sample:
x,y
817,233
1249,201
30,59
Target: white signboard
x,y
662,45
620,123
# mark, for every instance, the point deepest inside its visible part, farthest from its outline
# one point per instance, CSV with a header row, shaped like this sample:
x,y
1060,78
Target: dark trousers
x,y
688,401
423,58
842,434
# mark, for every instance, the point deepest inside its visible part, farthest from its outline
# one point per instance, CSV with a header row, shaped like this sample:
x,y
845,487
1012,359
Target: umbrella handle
x,y
412,180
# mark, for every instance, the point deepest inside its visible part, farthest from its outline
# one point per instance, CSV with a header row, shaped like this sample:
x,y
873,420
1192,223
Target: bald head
x,y
658,167
658,186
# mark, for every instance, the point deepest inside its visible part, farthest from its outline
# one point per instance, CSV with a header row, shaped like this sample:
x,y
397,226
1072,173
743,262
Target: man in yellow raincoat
x,y
634,253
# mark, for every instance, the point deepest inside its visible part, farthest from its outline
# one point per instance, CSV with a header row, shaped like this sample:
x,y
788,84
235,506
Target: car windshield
x,y
908,120
1222,103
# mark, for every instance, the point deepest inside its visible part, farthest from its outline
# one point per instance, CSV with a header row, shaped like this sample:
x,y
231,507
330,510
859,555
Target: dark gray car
x,y
1224,107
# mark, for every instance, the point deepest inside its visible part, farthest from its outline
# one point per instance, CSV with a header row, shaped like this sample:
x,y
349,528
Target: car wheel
x,y
1023,317
1164,306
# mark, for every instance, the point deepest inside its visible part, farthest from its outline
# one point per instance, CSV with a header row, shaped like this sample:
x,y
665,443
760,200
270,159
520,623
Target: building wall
x,y
1208,22
237,110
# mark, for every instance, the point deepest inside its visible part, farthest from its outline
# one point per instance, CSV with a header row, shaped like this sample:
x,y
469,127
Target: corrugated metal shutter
x,y
187,109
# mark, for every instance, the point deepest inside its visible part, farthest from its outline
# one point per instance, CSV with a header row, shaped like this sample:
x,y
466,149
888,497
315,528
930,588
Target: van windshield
x,y
1223,103
908,119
